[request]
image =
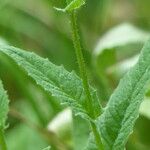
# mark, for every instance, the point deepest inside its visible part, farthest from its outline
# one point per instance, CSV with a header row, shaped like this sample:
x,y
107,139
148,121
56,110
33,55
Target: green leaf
x,y
28,139
3,115
121,35
144,108
61,126
81,129
64,85
122,110
118,41
47,148
91,143
120,68
72,5
118,44
2,41
3,106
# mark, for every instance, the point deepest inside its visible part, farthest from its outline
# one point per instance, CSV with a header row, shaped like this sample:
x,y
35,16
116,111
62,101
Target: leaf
x,y
2,41
117,121
3,106
121,35
47,148
118,44
61,125
120,68
91,143
72,5
64,85
144,108
28,139
140,138
114,40
80,131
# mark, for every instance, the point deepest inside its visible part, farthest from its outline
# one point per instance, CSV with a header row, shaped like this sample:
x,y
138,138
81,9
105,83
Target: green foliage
x,y
118,44
3,115
3,106
36,116
72,5
118,119
27,139
47,148
66,86
91,143
80,125
111,44
144,108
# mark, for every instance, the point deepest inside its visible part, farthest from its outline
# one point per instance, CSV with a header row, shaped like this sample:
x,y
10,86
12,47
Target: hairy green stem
x,y
2,141
83,73
97,136
81,63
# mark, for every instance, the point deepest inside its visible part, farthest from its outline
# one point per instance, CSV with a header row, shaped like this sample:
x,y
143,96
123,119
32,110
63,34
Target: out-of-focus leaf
x,y
120,68
81,130
61,122
47,148
145,108
61,125
91,143
27,139
140,138
29,25
3,42
117,37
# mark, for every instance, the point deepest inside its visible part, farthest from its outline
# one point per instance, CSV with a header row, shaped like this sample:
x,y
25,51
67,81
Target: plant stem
x,y
97,136
81,63
83,73
2,141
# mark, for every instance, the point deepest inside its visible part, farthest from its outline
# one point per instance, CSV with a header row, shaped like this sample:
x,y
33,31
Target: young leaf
x,y
72,5
122,110
66,86
3,106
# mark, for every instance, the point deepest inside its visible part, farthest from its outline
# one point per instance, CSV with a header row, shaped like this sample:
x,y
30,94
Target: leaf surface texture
x,y
64,85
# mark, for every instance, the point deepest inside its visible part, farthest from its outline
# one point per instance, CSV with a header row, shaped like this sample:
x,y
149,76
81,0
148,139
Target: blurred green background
x,y
35,26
